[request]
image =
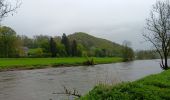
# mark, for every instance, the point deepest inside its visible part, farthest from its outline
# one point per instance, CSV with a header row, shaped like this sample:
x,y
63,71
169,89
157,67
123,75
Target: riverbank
x,y
153,87
8,64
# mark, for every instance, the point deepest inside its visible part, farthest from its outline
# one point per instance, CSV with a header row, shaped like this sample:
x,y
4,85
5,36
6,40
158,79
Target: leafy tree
x,y
146,54
80,50
42,41
53,48
26,41
127,52
5,9
98,52
8,42
21,50
158,30
61,52
74,48
66,43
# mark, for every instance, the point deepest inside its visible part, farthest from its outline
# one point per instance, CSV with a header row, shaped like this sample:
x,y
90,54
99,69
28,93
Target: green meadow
x,y
153,87
34,63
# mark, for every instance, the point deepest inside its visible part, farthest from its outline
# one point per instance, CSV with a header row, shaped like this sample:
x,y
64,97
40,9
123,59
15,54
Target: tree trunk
x,y
166,63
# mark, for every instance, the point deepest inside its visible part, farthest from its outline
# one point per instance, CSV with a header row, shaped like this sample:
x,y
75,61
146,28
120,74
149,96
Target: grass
x,y
34,63
153,87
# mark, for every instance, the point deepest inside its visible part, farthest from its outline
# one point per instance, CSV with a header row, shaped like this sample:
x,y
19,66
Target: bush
x,y
38,52
89,62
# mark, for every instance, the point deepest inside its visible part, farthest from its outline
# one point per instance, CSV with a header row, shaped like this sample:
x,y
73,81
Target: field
x,y
153,87
34,63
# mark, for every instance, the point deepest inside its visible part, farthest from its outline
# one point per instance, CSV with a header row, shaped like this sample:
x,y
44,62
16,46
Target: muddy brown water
x,y
43,84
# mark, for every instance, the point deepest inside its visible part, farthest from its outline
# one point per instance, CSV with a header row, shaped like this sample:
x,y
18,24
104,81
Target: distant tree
x,y
74,48
104,52
127,52
66,43
8,42
42,41
98,52
80,49
61,52
146,54
158,30
6,8
53,48
27,42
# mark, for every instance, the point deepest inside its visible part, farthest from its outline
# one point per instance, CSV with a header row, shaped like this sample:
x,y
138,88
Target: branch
x,y
69,92
6,8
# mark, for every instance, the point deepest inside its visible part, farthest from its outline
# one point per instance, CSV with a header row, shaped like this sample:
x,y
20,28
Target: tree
x,y
42,41
74,48
146,54
80,50
27,42
158,30
61,52
8,42
127,52
66,43
6,8
53,48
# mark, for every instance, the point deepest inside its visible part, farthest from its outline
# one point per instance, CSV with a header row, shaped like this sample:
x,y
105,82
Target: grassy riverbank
x,y
35,63
153,87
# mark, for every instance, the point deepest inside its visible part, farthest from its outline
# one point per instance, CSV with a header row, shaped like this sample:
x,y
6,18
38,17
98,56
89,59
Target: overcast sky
x,y
115,20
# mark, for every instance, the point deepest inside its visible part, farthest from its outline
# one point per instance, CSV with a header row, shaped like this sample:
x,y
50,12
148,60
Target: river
x,y
43,84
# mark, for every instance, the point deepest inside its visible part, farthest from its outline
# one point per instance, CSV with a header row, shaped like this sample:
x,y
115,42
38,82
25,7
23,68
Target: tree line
x,y
13,45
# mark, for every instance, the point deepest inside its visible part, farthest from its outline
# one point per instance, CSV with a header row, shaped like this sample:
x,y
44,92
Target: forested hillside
x,y
95,44
75,45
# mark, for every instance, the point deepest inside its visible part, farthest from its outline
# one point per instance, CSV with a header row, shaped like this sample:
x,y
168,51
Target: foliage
x,y
89,62
53,48
8,42
146,54
74,50
65,41
76,45
127,52
80,50
61,52
27,42
153,87
91,43
38,52
41,41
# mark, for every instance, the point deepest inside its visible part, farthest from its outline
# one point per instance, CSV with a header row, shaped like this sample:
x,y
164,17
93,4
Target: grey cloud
x,y
116,20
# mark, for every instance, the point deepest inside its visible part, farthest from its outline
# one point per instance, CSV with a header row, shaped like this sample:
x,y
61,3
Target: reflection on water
x,y
42,84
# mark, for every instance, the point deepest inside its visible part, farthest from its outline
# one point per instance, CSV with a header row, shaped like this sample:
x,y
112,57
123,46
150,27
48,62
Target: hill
x,y
92,43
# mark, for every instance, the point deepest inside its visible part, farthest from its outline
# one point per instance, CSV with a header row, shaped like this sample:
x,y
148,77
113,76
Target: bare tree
x,y
158,30
6,8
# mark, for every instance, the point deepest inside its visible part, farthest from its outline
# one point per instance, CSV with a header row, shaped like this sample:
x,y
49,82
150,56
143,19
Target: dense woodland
x,y
74,45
